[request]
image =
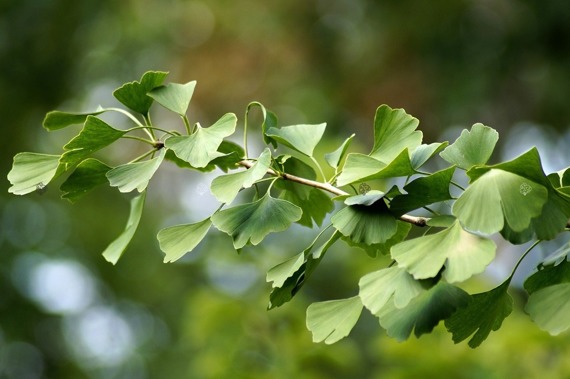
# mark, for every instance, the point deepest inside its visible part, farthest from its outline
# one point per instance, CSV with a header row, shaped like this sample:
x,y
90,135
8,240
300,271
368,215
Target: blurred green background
x,y
66,313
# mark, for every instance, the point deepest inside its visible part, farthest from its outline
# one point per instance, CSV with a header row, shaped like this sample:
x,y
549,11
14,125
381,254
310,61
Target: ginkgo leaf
x,y
485,313
472,147
497,197
335,158
302,138
464,254
556,210
423,312
549,308
176,241
134,94
95,135
424,152
87,175
331,321
226,187
250,223
269,121
173,96
394,132
55,120
424,191
366,224
289,276
315,203
32,171
136,175
201,147
114,251
393,284
402,231
360,167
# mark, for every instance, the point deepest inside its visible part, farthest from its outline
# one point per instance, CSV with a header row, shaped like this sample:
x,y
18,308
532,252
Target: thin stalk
x,y
150,152
524,256
151,128
135,120
187,124
139,139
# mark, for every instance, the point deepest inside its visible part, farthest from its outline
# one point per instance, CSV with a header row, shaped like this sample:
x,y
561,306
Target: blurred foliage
x,y
446,62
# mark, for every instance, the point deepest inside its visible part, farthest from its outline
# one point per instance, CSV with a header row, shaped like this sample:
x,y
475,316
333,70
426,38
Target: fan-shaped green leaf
x,y
335,158
366,224
32,171
464,254
114,251
134,94
250,223
498,197
424,152
201,148
423,312
394,131
331,321
95,135
424,191
136,175
289,276
402,231
226,187
549,308
485,313
55,120
87,175
302,138
360,167
392,284
174,96
178,240
472,147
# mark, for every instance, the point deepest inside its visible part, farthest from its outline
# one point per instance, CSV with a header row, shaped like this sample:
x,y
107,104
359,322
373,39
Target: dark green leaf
x,y
269,121
423,312
464,254
173,96
32,171
178,240
87,175
250,223
95,135
548,275
136,175
335,158
366,224
114,251
424,191
55,120
472,147
394,131
403,229
485,313
134,94
331,321
201,147
302,138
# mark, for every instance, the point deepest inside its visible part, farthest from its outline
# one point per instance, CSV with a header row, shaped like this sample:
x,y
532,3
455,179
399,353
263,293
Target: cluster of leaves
x,y
419,288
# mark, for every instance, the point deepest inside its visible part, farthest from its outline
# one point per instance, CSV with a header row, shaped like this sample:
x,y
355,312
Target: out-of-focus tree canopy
x,y
66,313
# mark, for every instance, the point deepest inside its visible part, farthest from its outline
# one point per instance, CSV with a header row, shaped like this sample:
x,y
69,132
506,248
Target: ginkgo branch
x,y
418,221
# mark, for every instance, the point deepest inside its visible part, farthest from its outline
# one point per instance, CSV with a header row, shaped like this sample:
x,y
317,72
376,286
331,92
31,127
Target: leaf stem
x,y
140,139
143,156
187,124
418,221
319,168
523,257
151,128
